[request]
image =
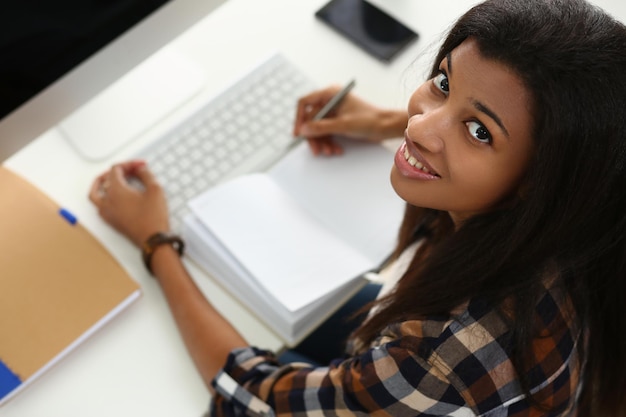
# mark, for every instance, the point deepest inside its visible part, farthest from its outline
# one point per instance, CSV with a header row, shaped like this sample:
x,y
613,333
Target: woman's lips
x,y
412,164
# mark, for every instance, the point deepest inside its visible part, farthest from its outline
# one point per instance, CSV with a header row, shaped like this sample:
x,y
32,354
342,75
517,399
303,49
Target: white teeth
x,y
414,162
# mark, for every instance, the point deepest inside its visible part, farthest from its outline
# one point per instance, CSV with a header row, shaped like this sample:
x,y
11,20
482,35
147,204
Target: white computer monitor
x,y
100,68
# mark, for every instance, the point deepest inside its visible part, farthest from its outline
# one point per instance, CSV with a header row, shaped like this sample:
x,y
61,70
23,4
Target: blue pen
x,y
67,215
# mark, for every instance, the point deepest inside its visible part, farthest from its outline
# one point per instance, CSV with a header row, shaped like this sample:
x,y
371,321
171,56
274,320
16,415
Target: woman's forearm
x,y
208,336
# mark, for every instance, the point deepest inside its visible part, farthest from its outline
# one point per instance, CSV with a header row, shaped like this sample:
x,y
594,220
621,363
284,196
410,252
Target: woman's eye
x,y
479,132
441,82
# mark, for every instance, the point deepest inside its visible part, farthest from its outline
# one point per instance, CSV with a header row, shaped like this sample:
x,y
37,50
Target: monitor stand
x,y
134,103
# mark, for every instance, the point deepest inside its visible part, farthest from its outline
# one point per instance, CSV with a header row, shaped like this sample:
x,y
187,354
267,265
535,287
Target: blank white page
x,y
288,251
350,194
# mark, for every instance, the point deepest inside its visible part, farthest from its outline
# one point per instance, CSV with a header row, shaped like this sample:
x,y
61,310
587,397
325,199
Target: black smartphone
x,y
369,27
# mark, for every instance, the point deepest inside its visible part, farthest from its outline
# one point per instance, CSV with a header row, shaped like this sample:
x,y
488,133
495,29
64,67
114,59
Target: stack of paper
x,y
292,243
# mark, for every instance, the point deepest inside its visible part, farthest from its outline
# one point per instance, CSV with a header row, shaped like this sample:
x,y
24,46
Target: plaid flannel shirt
x,y
436,367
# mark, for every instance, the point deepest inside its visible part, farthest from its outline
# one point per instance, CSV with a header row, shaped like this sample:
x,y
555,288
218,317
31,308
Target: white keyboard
x,y
244,129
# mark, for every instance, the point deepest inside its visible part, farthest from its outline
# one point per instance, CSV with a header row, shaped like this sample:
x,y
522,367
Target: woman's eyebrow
x,y
486,110
477,104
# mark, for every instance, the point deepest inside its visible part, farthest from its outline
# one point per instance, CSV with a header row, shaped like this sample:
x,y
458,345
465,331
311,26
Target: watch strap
x,y
159,239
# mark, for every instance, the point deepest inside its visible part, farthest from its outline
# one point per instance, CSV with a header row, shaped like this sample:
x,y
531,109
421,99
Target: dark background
x,y
41,40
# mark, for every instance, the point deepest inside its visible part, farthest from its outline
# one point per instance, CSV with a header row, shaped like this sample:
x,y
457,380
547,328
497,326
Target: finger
x,y
125,176
131,166
309,105
314,146
325,146
331,148
95,192
337,149
319,145
117,176
145,175
304,112
328,126
98,187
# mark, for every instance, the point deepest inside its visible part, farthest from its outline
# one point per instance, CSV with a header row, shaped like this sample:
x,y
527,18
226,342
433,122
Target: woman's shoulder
x,y
472,350
478,323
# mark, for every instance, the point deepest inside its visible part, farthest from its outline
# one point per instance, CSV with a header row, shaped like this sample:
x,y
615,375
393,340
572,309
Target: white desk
x,y
137,365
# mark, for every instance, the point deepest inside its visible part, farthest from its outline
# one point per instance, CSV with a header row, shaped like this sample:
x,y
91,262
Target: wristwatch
x,y
156,240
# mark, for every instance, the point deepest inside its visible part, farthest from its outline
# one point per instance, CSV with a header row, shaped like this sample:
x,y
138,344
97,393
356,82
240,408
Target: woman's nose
x,y
427,130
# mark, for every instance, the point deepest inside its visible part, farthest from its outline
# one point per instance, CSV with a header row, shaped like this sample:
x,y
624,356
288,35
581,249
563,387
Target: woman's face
x,y
468,141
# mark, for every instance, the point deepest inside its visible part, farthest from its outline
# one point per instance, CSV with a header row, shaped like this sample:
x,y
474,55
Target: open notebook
x,y
58,284
292,243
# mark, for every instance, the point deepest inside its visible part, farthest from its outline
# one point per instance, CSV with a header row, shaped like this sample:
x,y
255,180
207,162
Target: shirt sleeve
x,y
433,367
370,383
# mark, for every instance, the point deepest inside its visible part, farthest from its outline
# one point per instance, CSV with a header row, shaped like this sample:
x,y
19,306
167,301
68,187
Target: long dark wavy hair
x,y
571,216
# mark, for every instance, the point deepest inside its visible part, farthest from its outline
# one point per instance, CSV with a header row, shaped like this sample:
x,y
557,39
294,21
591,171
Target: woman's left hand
x,y
135,210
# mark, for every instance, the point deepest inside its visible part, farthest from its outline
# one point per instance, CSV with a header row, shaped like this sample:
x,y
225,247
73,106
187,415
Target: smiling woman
x,y
504,295
471,132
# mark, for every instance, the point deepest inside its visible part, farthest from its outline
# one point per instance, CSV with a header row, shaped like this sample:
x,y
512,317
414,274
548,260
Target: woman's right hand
x,y
353,118
135,211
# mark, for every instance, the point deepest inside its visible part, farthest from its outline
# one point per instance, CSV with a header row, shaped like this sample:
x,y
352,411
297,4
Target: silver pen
x,y
333,102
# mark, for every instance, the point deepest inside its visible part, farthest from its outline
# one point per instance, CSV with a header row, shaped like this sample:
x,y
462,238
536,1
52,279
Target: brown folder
x,y
58,284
